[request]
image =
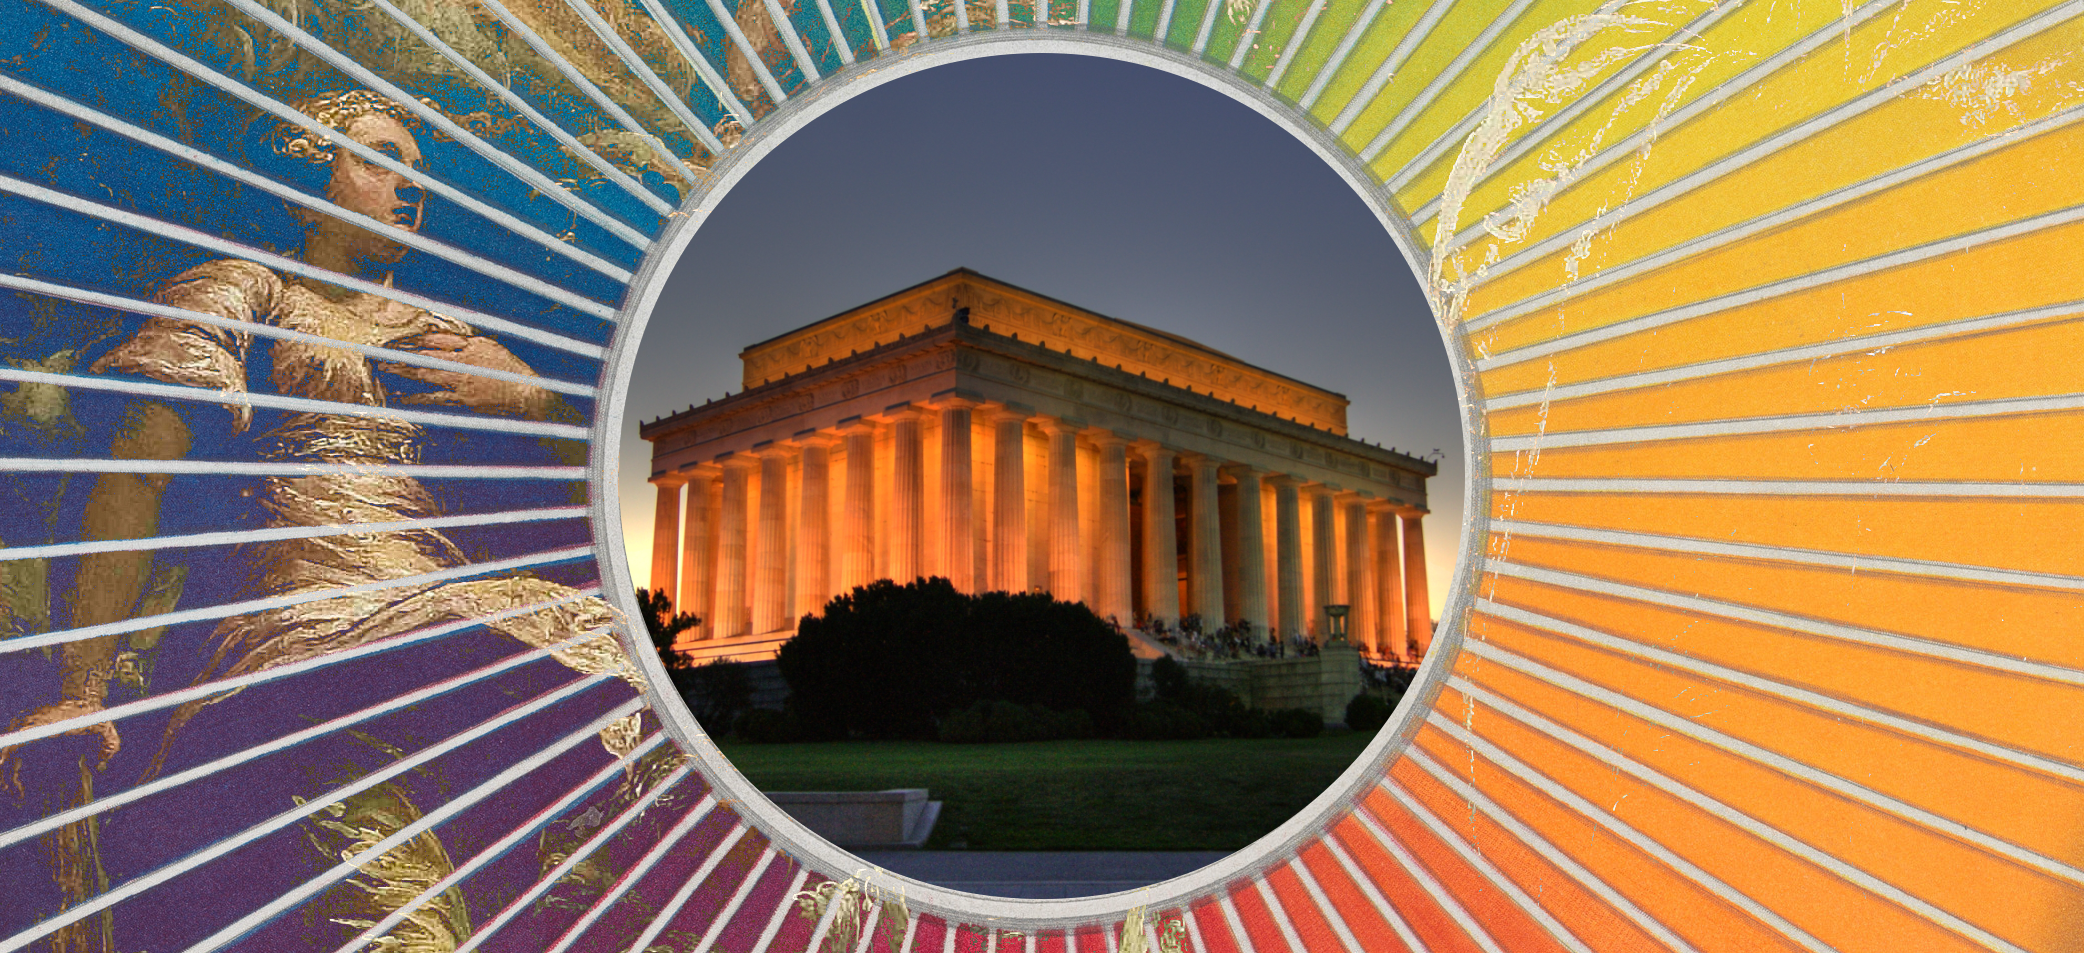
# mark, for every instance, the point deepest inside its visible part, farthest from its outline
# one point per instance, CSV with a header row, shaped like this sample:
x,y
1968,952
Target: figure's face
x,y
372,190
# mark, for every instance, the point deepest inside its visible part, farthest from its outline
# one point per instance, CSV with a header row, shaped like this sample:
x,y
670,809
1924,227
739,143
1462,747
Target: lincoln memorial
x,y
969,429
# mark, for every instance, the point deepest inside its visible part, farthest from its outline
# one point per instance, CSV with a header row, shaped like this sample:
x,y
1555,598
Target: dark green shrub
x,y
1297,722
1165,721
1366,713
1168,677
718,693
1072,725
767,726
1003,721
965,726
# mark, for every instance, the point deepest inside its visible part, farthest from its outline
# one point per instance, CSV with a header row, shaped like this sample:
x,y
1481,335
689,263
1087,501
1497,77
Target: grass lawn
x,y
1218,794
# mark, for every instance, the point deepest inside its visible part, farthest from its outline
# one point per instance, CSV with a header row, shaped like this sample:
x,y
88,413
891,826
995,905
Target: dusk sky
x,y
1114,187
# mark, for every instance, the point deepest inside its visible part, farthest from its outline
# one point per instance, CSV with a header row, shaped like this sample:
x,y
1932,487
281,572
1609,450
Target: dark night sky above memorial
x,y
1111,186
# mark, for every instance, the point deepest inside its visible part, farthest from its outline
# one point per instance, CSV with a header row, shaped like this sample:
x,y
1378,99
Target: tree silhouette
x,y
665,625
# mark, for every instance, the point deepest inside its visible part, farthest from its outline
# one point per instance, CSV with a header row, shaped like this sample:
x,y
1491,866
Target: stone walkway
x,y
1046,875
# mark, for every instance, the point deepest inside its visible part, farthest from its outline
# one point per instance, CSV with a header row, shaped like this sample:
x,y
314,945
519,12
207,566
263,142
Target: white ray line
x,y
844,47
204,160
349,866
685,45
1236,923
25,642
1004,15
273,534
543,184
687,889
1837,420
169,871
787,29
1325,908
1337,60
1852,488
782,909
301,404
1915,254
1541,845
1908,645
1106,935
1244,40
1381,903
1280,914
1208,25
110,802
1121,17
874,16
1193,932
962,16
393,355
1873,343
1526,142
824,927
1365,96
242,468
1424,879
1483,866
1418,104
752,56
875,914
919,18
1295,42
629,879
643,72
514,101
1952,572
1763,831
991,941
1843,709
600,839
201,239
912,927
1775,141
1085,12
196,70
1070,941
1784,764
1445,141
1686,869
500,847
1165,20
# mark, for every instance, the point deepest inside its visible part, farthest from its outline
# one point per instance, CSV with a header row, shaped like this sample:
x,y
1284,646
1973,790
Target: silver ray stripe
x,y
745,889
676,34
1418,104
1424,879
1244,40
1236,924
415,240
1453,137
1963,327
628,880
1121,17
1795,769
787,29
643,72
118,799
25,642
302,404
1541,845
235,537
824,927
1856,488
868,929
1736,299
1193,933
1295,42
1337,60
1165,20
752,56
845,47
1483,866
1779,620
1777,141
1759,829
1325,908
200,239
1208,25
694,882
874,16
1844,710
781,910
919,19
185,865
912,927
962,16
240,468
1085,12
528,828
1527,142
600,839
1837,420
1381,903
1280,915
257,329
433,117
1592,812
350,866
1365,96
607,169
246,94
1952,572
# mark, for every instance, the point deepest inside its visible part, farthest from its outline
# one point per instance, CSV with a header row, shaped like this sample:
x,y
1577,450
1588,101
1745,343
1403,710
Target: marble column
x,y
698,552
1009,506
1360,587
1205,543
1112,601
1066,556
1389,585
665,537
813,529
908,497
771,575
1288,555
732,617
1160,537
1419,621
1251,552
1324,560
857,552
958,518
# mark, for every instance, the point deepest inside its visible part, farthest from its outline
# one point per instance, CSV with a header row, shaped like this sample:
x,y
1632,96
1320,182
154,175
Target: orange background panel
x,y
1354,906
1508,925
1433,927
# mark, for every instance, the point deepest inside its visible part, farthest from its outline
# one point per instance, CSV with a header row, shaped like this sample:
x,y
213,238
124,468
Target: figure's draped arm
x,y
202,355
